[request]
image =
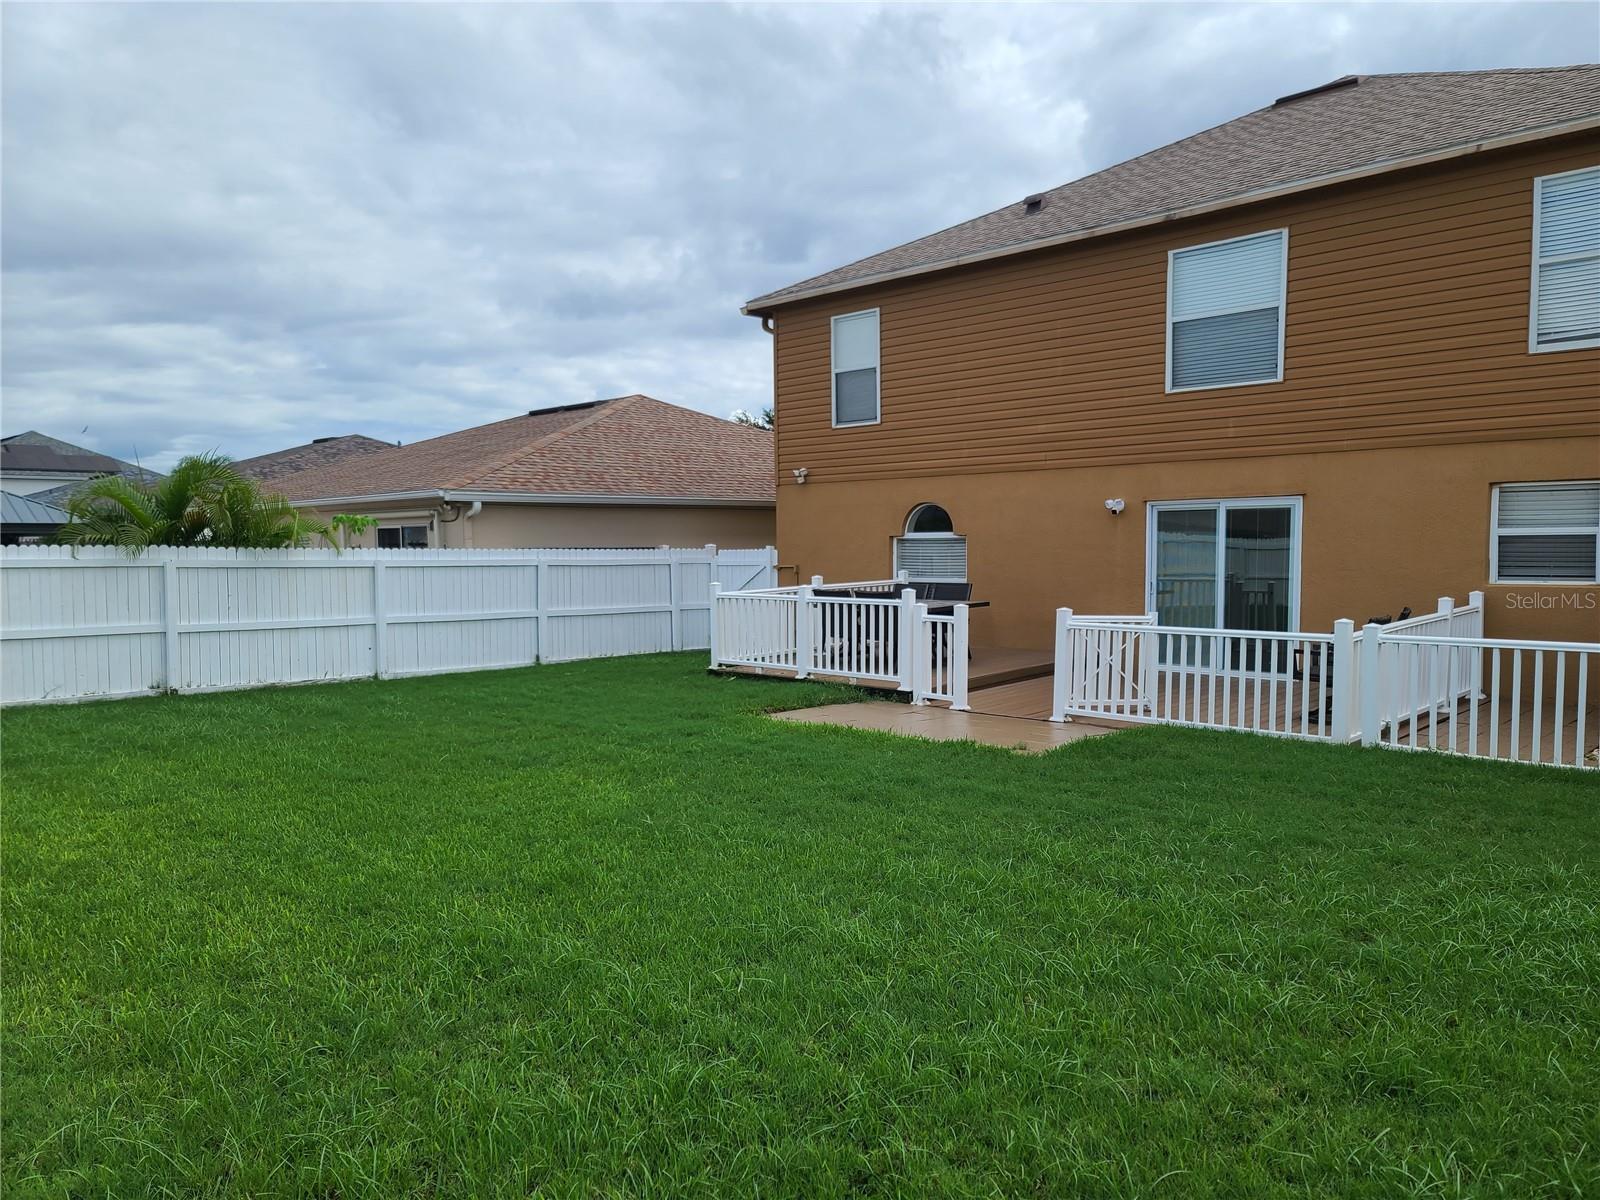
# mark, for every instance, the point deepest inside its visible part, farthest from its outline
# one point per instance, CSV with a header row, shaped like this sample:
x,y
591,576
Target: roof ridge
x,y
1583,66
603,408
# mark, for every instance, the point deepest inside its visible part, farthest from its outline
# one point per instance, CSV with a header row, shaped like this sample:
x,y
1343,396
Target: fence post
x,y
906,640
1369,705
1438,673
675,596
958,662
1343,681
804,651
716,588
380,622
1058,684
169,621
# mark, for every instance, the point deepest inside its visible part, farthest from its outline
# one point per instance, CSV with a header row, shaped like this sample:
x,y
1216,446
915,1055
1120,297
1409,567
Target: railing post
x,y
1150,663
716,615
1058,682
958,662
1369,704
1475,654
906,640
1344,677
816,581
804,652
921,656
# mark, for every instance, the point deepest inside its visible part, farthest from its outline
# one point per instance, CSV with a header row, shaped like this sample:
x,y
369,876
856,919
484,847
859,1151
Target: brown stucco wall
x,y
1380,528
1023,393
504,526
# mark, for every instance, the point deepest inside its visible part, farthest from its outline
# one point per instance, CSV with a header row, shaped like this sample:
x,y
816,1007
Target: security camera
x,y
800,474
1114,506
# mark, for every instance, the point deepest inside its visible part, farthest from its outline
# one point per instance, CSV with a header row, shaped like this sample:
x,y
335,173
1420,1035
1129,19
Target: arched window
x,y
929,518
930,550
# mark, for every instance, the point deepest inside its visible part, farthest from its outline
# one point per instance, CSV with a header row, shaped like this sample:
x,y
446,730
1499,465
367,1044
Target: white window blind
x,y
1546,532
855,368
1225,312
932,557
1566,261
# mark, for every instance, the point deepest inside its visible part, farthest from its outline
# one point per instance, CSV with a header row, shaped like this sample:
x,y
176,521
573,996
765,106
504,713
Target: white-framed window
x,y
1565,310
855,368
1225,310
402,537
930,550
1545,532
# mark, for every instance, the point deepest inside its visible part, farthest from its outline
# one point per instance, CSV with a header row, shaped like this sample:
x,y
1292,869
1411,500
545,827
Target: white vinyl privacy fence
x,y
95,622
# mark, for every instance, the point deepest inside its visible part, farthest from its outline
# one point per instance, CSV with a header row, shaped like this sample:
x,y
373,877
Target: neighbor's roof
x,y
317,453
1353,125
628,446
35,451
25,510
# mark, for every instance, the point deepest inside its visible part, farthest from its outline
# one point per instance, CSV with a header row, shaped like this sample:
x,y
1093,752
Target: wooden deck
x,y
988,667
1281,712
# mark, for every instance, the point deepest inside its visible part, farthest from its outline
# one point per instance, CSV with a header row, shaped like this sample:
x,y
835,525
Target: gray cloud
x,y
242,226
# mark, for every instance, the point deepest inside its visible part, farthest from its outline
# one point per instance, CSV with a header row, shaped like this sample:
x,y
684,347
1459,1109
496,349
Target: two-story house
x,y
1336,357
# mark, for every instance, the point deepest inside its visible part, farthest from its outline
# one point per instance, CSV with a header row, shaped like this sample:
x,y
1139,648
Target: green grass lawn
x,y
602,929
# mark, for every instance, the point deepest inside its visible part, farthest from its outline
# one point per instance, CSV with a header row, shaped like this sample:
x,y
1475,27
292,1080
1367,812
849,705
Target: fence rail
x,y
97,622
1431,682
879,634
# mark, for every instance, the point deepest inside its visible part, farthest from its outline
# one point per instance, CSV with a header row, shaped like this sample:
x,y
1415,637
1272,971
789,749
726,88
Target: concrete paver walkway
x,y
940,724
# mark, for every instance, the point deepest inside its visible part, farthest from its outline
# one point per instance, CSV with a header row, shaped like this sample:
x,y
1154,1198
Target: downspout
x,y
472,510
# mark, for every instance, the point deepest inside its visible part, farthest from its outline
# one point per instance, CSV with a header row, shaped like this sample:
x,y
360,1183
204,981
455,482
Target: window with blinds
x,y
1566,261
1546,533
1225,312
855,368
931,557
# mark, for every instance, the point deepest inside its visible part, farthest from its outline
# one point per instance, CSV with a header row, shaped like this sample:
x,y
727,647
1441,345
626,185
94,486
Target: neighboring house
x,y
27,519
1335,357
630,471
318,452
34,464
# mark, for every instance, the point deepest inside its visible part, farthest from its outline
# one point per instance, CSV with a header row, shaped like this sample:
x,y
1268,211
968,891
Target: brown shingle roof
x,y
1381,119
319,453
628,446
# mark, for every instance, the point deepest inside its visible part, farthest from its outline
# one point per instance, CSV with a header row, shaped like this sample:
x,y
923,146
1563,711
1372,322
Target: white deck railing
x,y
1431,682
885,639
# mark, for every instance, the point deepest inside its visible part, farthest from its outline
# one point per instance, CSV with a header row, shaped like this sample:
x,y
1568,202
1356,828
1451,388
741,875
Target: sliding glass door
x,y
1230,564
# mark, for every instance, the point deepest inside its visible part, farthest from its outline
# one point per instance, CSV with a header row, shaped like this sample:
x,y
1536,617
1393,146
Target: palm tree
x,y
203,502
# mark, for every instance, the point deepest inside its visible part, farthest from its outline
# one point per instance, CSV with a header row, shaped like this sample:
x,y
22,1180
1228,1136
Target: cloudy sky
x,y
239,227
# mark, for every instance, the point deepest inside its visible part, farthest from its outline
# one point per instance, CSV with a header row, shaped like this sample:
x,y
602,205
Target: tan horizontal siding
x,y
1406,324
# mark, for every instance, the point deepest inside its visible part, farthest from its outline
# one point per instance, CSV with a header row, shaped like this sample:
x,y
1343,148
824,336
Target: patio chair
x,y
1310,667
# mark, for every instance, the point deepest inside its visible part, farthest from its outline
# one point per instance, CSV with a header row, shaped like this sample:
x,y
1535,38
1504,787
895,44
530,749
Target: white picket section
x,y
1432,682
1133,669
1531,702
89,622
942,658
793,631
